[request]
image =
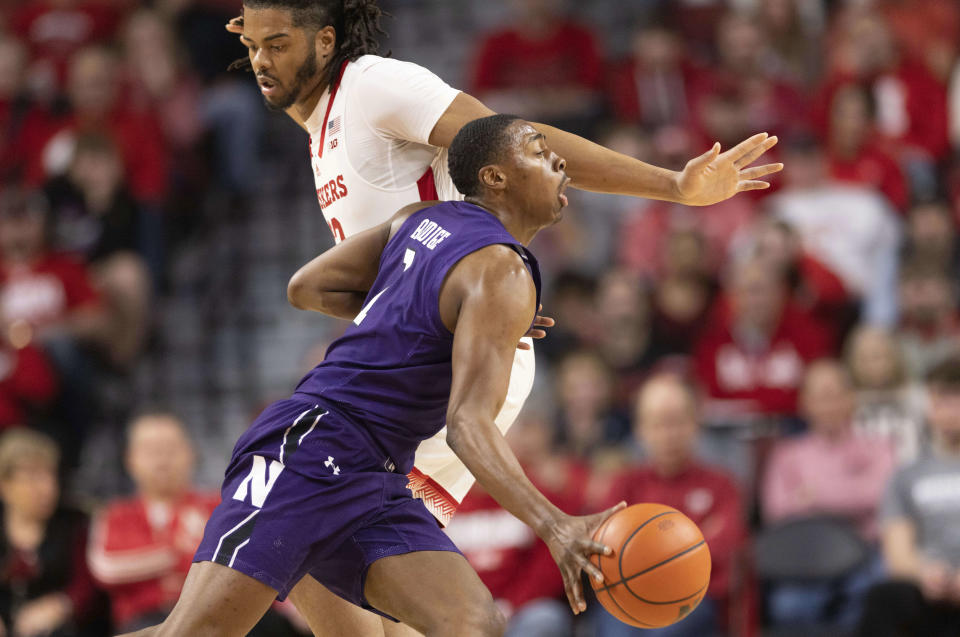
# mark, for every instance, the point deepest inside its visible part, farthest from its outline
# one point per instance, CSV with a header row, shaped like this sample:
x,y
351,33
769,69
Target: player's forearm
x,y
598,169
342,305
482,448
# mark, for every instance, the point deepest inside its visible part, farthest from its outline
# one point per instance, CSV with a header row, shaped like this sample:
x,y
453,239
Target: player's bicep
x,y
464,108
494,315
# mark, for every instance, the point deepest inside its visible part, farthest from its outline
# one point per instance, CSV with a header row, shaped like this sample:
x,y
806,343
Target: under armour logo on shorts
x,y
329,464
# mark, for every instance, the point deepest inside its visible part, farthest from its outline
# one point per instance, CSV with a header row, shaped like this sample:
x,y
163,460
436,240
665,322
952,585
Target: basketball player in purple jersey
x,y
379,129
439,297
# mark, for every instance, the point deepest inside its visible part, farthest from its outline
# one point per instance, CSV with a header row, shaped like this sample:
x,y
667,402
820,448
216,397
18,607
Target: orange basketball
x,y
659,569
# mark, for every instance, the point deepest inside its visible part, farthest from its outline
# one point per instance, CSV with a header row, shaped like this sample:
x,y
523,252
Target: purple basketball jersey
x,y
391,370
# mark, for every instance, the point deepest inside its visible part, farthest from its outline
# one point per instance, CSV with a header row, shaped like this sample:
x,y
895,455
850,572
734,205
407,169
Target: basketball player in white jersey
x,y
379,129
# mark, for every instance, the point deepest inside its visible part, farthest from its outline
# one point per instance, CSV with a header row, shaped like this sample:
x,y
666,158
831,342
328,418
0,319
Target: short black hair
x,y
479,143
945,376
357,23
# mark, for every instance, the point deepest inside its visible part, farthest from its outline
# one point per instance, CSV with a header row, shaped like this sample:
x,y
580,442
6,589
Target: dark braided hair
x,y
357,23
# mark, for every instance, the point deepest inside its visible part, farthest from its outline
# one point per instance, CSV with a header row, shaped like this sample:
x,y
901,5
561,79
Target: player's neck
x,y
304,108
512,221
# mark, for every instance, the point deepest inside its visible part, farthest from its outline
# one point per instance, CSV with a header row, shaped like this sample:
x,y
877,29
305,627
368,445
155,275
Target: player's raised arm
x,y
337,282
707,179
497,299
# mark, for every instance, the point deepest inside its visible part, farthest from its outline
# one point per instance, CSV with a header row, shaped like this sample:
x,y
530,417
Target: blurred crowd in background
x,y
783,367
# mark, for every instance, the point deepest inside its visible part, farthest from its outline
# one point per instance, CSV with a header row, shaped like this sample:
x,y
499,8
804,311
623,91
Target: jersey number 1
x,y
407,262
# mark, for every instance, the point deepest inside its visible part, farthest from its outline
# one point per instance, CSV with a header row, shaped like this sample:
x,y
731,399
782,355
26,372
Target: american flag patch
x,y
333,126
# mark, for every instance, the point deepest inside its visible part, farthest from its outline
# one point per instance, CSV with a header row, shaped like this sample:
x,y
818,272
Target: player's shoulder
x,y
495,269
368,68
501,259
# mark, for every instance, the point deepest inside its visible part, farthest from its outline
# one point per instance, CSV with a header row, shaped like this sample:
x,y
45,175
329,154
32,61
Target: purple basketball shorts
x,y
307,492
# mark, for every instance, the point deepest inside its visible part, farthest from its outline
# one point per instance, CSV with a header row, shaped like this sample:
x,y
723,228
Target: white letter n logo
x,y
260,484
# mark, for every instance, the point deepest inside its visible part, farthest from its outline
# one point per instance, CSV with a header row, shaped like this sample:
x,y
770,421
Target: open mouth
x,y
561,196
267,86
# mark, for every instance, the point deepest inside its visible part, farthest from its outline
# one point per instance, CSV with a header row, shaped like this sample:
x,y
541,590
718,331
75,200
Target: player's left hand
x,y
714,176
535,331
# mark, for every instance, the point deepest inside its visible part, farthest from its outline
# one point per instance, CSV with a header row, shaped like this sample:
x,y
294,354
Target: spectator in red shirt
x,y
547,67
652,87
911,103
55,30
141,548
666,422
51,293
745,77
45,586
97,104
926,30
752,359
28,385
48,298
511,561
853,152
159,78
813,287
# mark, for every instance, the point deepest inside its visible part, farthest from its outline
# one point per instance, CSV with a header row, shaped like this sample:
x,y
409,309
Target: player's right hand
x,y
235,25
571,543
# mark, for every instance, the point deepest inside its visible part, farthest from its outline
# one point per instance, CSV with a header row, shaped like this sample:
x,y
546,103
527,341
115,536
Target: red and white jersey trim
x,y
440,503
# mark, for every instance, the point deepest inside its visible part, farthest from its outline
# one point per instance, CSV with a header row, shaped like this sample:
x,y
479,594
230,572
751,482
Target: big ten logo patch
x,y
665,525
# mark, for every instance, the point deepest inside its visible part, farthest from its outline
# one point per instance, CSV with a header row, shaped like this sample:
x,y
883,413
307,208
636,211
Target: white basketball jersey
x,y
370,155
368,143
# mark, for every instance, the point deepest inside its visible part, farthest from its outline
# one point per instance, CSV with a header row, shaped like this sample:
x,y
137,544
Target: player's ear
x,y
325,42
492,177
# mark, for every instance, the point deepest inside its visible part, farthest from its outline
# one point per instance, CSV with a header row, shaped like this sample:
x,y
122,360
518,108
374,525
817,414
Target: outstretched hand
x,y
571,544
535,331
714,176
